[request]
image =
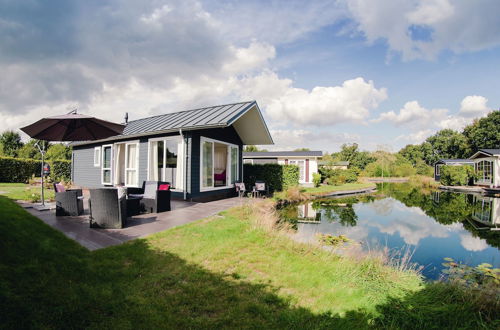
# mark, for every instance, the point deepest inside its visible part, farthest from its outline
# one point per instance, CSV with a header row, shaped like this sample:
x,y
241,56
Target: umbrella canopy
x,y
72,127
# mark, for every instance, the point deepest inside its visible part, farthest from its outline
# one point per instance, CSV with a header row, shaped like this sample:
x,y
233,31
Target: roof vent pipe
x,y
126,117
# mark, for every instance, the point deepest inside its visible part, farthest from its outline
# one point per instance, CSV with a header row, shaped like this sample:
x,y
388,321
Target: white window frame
x,y
97,152
292,161
171,138
228,164
107,168
136,168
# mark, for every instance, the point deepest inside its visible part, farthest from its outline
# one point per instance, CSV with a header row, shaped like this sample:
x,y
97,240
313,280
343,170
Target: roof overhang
x,y
481,153
251,127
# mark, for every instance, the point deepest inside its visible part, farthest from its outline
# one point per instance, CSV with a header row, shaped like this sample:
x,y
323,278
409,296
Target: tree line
x,y
11,145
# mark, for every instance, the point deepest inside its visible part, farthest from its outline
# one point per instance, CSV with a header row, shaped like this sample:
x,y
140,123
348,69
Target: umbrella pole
x,y
42,151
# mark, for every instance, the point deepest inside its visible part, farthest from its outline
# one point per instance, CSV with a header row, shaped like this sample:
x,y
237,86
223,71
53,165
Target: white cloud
x,y
350,102
474,106
460,26
425,122
416,137
286,139
471,243
413,113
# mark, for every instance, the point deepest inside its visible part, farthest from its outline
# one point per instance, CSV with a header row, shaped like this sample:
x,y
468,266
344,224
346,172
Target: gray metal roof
x,y
201,118
270,154
491,151
215,116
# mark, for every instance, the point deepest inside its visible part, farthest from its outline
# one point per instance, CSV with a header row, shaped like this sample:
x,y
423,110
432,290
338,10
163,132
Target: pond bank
x,y
471,189
390,179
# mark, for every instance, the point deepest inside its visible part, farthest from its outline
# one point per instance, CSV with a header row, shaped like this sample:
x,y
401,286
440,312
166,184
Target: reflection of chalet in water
x,y
307,214
486,210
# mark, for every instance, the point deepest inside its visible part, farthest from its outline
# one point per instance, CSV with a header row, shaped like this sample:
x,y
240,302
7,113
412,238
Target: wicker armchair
x,y
153,200
68,202
107,209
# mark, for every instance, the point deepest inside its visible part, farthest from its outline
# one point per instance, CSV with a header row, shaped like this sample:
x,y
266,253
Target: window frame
x,y
228,164
136,168
110,168
97,152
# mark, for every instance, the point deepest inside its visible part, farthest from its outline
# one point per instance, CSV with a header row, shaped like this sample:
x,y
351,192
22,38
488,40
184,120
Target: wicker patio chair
x,y
107,209
68,202
155,196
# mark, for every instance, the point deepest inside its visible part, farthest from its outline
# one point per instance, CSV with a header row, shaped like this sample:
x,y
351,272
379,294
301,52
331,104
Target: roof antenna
x,y
72,109
126,117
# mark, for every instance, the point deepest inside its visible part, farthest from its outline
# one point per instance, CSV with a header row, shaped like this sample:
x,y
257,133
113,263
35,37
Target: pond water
x,y
431,224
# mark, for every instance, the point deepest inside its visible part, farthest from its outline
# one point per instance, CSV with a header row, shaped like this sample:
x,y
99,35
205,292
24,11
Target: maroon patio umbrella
x,y
72,127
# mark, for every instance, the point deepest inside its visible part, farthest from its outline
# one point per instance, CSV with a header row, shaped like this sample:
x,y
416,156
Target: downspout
x,y
184,186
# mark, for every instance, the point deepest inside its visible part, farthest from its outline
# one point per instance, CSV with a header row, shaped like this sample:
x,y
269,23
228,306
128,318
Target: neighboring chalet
x,y
198,151
487,167
307,161
452,162
486,163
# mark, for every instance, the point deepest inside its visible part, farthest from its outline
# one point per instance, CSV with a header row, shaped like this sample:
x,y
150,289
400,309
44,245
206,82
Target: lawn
x,y
22,191
325,188
220,272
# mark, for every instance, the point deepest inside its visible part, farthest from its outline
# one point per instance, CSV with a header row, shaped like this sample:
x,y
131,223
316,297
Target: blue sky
x,y
382,73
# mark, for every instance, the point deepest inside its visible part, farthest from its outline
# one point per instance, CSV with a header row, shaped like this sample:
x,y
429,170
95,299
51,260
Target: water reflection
x,y
437,224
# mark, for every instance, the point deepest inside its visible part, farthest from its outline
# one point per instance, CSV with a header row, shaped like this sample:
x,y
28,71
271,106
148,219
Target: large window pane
x,y
107,157
207,164
131,155
171,162
234,164
160,162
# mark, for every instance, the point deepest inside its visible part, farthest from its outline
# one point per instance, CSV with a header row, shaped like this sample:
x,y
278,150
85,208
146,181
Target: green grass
x,y
221,272
325,189
22,191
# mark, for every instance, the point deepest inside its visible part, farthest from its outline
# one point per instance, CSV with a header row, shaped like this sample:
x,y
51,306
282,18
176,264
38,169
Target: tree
x,y
11,143
413,153
445,144
58,151
483,133
348,152
252,148
29,150
302,149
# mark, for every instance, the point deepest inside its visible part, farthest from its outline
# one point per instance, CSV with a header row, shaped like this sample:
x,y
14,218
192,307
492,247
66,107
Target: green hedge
x,y
21,170
277,177
456,175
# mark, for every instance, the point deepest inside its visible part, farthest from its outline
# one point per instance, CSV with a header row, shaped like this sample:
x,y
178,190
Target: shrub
x,y
18,169
316,179
60,170
22,170
277,177
338,176
456,175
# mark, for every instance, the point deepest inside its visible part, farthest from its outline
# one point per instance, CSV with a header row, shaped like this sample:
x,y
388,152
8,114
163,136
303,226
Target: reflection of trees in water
x,y
444,207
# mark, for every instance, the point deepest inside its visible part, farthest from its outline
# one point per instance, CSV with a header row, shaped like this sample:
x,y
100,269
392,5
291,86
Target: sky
x,y
380,73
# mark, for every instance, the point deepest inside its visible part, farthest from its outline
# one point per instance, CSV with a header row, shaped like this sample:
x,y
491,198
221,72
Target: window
x,y
97,156
131,163
301,165
438,169
207,168
166,161
219,164
234,165
107,152
484,171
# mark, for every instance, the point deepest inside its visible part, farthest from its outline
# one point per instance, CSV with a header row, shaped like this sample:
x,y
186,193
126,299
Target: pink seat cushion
x,y
60,188
164,187
221,176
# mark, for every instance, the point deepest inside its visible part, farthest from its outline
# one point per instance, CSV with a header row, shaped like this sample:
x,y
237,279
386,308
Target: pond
x,y
431,225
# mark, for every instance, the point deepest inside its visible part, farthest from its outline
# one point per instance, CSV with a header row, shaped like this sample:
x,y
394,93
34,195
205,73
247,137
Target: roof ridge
x,y
190,110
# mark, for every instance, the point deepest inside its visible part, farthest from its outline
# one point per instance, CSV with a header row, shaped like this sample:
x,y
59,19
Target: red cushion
x,y
60,188
164,187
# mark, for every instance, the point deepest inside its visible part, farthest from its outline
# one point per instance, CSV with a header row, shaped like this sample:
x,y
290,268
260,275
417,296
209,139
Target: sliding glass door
x,y
166,161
